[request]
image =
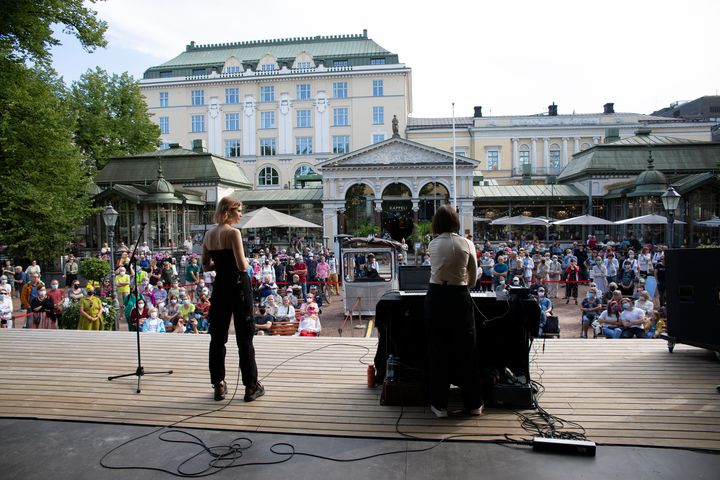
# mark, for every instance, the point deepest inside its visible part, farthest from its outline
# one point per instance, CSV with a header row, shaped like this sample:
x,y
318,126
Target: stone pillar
x,y
576,144
546,152
285,126
596,140
215,128
249,138
533,155
515,156
322,123
565,158
378,214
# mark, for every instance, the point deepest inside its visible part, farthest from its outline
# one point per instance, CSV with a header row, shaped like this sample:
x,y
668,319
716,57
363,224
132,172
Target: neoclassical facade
x,y
393,185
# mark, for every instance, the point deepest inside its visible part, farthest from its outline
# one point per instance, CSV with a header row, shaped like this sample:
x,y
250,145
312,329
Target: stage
x,y
623,392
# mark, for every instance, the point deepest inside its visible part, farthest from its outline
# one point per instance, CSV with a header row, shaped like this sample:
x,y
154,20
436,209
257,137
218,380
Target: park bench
x,y
284,328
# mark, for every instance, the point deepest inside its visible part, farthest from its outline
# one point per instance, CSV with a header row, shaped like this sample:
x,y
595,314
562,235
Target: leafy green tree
x,y
94,269
112,117
43,180
26,32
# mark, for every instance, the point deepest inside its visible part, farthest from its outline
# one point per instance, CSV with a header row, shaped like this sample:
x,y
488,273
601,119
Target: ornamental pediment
x,y
397,153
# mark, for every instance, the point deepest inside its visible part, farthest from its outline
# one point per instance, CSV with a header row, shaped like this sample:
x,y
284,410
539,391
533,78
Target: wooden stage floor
x,y
625,392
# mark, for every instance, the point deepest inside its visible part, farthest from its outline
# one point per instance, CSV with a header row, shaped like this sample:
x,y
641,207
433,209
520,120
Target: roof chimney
x,y
552,110
198,145
478,112
609,108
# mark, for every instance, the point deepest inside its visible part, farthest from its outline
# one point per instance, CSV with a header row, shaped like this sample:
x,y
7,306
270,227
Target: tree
x,y
43,181
112,117
26,27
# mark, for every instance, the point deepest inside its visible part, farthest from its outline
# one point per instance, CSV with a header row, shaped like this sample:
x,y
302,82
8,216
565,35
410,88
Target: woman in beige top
x,y
449,317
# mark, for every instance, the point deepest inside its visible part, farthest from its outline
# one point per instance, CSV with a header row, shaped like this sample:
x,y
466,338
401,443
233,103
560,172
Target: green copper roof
x,y
179,166
286,49
526,192
275,197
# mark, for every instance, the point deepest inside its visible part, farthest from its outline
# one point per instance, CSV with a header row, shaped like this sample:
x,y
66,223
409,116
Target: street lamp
x,y
670,200
110,216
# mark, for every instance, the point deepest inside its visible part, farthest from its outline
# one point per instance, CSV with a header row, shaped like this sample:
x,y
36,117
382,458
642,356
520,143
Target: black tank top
x,y
225,265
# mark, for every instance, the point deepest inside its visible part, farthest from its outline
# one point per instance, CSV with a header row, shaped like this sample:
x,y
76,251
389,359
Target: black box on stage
x,y
693,296
403,393
511,396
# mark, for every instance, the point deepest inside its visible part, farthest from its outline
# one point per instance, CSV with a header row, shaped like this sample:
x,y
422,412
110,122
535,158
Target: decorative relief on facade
x,y
249,106
321,102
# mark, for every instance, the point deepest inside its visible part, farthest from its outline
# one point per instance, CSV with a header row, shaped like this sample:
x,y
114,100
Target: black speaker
x,y
693,296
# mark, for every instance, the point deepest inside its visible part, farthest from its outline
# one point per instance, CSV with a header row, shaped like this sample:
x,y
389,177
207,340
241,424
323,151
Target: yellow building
x,y
535,148
278,107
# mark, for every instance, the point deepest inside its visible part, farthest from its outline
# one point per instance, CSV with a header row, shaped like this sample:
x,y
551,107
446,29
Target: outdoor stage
x,y
624,392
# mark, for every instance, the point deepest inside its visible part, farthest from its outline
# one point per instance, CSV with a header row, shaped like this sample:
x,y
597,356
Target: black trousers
x,y
450,324
232,300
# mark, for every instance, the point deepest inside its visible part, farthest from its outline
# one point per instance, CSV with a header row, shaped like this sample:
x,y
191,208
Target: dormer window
x,y
232,65
267,67
303,60
304,65
341,63
233,69
268,63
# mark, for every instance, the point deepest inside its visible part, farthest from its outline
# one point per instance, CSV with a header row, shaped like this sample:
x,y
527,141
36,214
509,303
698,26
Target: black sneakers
x,y
252,393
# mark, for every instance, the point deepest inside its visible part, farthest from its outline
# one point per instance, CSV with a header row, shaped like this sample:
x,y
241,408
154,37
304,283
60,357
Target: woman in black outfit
x,y
449,316
232,295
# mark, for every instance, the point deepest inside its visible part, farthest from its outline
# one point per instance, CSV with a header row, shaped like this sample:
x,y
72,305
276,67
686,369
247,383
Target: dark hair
x,y
445,220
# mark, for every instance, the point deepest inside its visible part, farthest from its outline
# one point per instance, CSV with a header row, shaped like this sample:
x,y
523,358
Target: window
x,y
198,123
493,159
198,97
268,176
524,157
267,119
304,170
164,125
555,159
164,99
340,117
267,94
340,90
377,88
377,61
198,71
232,148
232,95
378,137
303,145
341,143
267,147
378,115
267,67
166,73
461,152
341,63
303,65
303,118
303,91
233,69
164,146
232,121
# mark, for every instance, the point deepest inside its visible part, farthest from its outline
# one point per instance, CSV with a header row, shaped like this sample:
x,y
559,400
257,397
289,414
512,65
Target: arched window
x,y
301,171
268,177
555,156
524,154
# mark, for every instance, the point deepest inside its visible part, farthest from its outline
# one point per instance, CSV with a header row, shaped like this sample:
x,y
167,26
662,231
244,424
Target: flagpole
x,y
454,181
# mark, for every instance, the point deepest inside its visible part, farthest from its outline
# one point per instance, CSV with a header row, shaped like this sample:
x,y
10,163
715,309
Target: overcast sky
x,y
513,57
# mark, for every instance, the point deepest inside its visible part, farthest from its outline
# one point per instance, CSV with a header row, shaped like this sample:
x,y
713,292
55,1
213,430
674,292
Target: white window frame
x,y
342,114
341,140
270,143
378,87
340,89
197,98
492,159
232,121
267,119
164,125
232,146
378,115
303,118
268,173
197,123
303,146
378,137
303,91
267,93
232,95
164,99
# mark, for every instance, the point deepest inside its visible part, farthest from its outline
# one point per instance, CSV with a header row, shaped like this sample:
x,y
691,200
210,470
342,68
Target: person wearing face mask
x,y
4,285
485,279
138,315
42,309
611,266
599,275
554,272
590,309
545,309
153,323
75,294
148,292
90,311
633,261
632,320
6,308
57,295
171,313
187,311
608,295
192,277
122,285
627,278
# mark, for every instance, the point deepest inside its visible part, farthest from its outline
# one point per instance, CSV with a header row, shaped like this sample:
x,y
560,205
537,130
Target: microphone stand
x,y
139,371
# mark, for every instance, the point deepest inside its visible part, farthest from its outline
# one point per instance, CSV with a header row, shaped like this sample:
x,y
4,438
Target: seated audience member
x,y
644,303
590,308
316,296
285,311
161,293
148,292
654,325
138,315
153,323
171,313
310,324
632,320
263,321
545,309
267,287
608,295
186,312
174,288
608,323
271,304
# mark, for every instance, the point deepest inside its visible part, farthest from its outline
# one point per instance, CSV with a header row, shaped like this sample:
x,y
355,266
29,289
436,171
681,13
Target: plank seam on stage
x,y
627,392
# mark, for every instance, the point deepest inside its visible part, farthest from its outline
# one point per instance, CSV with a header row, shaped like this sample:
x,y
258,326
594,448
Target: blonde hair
x,y
222,212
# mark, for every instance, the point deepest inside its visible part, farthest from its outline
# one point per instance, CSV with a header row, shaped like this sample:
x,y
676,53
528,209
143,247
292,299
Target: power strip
x,y
558,445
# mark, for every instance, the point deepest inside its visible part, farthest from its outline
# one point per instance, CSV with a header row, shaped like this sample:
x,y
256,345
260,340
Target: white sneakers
x,y
439,412
477,411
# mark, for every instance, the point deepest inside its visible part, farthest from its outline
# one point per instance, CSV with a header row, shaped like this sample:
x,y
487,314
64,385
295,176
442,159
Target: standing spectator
x,y
546,306
644,262
572,276
555,272
90,311
627,278
122,285
543,271
311,265
42,307
279,270
192,276
322,272
166,275
57,295
660,279
144,262
566,259
611,267
33,268
29,292
486,272
75,294
124,261
598,274
5,286
8,271
6,308
155,272
528,265
267,269
209,278
19,281
300,269
333,279
188,244
71,270
582,255
500,271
